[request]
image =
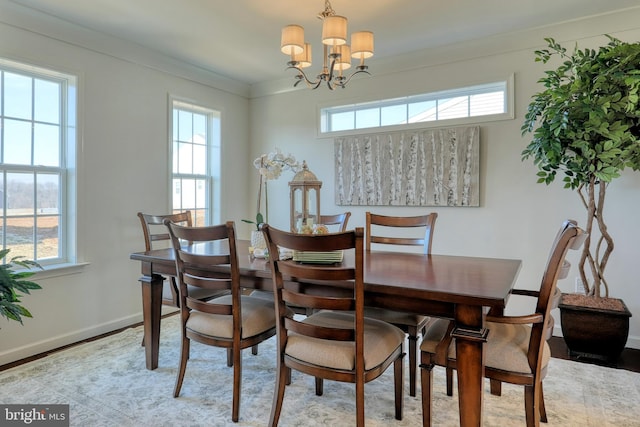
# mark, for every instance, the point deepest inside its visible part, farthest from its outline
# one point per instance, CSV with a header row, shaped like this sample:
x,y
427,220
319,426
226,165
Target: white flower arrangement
x,y
270,166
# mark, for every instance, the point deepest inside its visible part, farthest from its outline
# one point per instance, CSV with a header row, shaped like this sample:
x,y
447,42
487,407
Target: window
x,y
486,101
195,169
37,162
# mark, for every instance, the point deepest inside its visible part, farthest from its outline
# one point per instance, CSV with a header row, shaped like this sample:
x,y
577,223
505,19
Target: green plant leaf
x,y
585,124
13,285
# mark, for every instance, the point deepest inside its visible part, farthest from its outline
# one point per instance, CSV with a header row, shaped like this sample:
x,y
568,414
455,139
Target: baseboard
x,y
53,343
632,341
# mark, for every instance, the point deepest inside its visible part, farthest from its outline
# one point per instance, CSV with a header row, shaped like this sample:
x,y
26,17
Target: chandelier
x,y
337,53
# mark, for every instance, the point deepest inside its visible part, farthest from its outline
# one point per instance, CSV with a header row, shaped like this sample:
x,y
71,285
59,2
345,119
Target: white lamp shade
x,y
292,41
362,44
334,30
304,58
344,61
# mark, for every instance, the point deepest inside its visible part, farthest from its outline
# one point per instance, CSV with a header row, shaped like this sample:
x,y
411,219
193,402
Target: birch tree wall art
x,y
422,167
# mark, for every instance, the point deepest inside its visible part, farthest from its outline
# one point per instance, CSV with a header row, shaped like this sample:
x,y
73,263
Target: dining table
x,y
460,288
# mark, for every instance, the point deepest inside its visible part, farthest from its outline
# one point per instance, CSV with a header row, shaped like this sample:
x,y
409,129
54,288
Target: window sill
x,y
59,270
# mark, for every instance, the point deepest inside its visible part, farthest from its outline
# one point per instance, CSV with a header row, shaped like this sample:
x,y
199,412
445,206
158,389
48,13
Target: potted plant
x,y
586,124
13,285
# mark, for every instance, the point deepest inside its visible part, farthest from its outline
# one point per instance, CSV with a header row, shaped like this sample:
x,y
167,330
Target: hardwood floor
x,y
629,359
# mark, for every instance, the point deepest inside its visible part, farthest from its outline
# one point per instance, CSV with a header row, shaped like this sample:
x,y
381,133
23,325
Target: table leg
x,y
151,311
470,336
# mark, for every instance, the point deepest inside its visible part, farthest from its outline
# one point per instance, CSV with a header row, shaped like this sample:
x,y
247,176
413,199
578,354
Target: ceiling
x,y
240,39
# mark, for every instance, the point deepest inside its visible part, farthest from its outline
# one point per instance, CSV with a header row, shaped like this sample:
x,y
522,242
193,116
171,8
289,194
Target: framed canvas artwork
x,y
422,167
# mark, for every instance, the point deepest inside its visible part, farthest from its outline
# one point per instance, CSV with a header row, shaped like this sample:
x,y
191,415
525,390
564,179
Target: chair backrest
x,y
206,258
562,274
288,291
340,220
382,229
570,236
154,229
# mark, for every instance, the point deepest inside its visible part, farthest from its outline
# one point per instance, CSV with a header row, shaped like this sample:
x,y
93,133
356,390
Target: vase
x,y
257,240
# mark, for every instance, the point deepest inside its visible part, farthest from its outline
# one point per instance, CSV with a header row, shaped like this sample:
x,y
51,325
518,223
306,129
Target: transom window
x,y
37,153
486,100
195,177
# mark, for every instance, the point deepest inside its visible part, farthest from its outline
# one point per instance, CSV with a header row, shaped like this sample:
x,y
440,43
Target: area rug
x,y
106,384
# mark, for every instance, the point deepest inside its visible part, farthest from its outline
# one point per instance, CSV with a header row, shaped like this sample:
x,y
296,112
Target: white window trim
x,y
73,145
509,114
215,186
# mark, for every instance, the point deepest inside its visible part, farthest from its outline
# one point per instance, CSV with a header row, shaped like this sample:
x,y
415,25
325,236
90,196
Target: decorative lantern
x,y
305,199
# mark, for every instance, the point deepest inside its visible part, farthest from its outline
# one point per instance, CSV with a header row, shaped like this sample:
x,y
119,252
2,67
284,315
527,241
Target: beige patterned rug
x,y
106,384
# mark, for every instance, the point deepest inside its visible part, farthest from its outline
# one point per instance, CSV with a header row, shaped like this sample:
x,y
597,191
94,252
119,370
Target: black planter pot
x,y
594,333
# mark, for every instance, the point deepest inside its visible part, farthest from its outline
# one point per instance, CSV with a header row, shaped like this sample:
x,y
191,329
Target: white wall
x,y
518,218
123,169
124,157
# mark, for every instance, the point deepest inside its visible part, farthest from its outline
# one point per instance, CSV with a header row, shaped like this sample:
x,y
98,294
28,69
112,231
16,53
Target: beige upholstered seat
x,y
381,232
336,342
379,342
507,345
255,315
516,350
232,321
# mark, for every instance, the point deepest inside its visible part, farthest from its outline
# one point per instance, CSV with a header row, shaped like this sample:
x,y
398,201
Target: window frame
x,y
466,90
66,170
212,175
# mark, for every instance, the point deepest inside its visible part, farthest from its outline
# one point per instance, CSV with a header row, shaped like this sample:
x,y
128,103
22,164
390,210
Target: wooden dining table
x,y
454,287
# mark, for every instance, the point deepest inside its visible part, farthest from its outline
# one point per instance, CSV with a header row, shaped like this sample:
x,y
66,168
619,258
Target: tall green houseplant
x,y
586,125
14,285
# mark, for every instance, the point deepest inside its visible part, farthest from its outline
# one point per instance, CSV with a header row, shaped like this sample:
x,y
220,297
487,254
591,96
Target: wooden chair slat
x,y
293,285
383,231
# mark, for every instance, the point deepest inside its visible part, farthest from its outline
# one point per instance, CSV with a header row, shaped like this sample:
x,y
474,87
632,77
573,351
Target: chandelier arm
x,y
360,70
302,76
314,85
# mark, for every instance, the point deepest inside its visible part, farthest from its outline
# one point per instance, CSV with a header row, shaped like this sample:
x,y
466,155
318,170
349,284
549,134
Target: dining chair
x,y
156,236
495,385
233,321
399,231
339,220
336,342
516,350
